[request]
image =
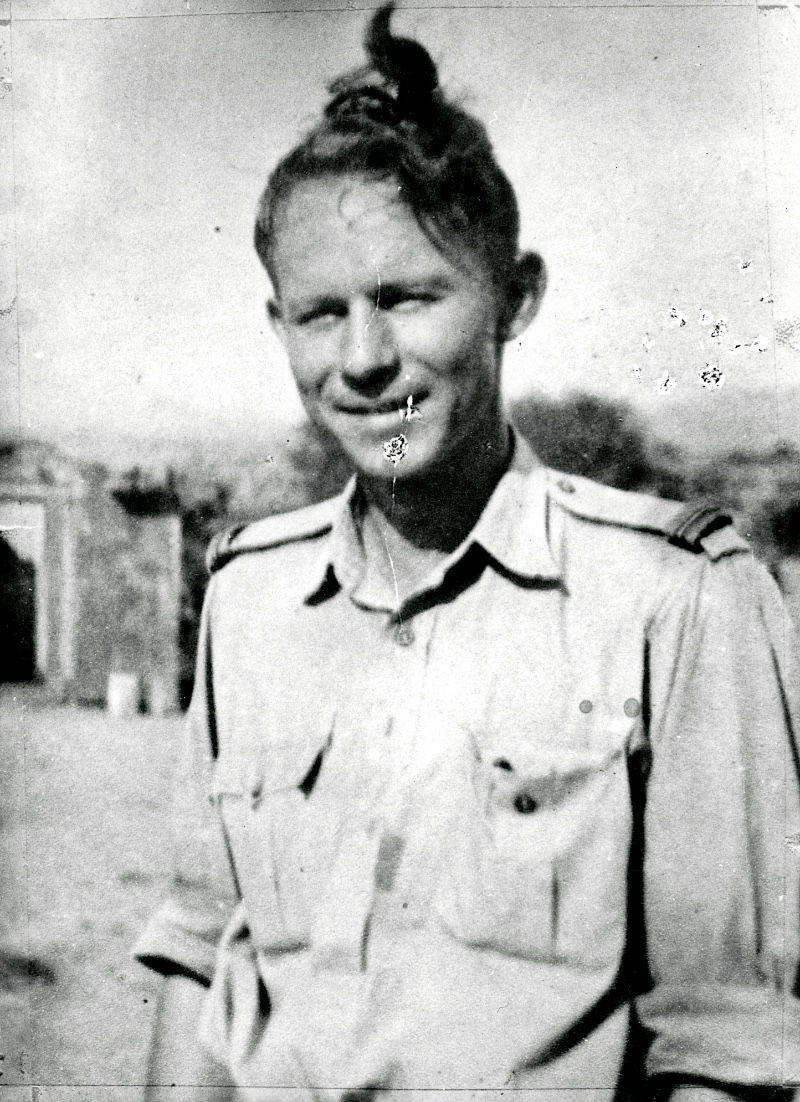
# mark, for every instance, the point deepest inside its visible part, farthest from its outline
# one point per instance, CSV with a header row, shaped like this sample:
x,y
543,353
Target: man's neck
x,y
436,513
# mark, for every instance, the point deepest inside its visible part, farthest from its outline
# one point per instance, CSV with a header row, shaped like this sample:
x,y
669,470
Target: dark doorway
x,y
17,615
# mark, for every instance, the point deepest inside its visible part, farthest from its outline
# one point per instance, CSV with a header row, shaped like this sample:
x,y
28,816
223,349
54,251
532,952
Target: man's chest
x,y
462,769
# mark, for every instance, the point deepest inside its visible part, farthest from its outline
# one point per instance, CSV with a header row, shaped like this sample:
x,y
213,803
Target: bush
x,y
599,439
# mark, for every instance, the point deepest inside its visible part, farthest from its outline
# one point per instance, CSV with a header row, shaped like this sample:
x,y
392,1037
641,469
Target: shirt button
x,y
404,635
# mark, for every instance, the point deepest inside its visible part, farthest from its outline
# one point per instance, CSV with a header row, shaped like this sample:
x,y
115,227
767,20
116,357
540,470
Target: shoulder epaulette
x,y
300,524
695,526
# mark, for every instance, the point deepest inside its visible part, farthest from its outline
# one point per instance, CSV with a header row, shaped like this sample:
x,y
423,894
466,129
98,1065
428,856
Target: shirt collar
x,y
512,530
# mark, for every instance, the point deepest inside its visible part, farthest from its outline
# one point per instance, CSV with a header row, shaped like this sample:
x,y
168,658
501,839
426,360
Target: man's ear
x,y
525,295
276,319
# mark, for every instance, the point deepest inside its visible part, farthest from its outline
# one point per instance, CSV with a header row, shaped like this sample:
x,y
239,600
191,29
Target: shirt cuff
x,y
176,940
743,1035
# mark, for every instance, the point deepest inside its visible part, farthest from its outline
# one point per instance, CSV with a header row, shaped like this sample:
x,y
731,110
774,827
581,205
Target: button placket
x,y
407,676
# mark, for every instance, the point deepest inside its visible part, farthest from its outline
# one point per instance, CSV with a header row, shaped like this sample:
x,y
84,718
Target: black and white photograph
x,y
400,551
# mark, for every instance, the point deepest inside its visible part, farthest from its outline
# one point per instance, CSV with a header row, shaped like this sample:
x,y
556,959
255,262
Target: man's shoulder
x,y
697,526
296,527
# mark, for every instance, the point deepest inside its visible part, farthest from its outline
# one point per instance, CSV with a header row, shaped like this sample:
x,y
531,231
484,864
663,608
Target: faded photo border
x,y
654,149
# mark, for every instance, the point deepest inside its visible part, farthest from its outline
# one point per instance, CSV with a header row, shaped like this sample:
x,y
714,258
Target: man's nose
x,y
371,355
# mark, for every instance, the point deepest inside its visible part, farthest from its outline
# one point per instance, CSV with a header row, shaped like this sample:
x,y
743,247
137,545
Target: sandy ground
x,y
84,854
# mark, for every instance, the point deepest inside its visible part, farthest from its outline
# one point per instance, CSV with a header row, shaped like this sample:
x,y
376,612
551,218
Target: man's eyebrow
x,y
432,283
315,304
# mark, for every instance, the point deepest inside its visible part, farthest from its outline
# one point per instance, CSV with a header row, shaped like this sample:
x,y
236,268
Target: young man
x,y
488,769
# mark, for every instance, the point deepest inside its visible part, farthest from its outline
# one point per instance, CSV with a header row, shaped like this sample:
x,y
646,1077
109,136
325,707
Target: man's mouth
x,y
397,406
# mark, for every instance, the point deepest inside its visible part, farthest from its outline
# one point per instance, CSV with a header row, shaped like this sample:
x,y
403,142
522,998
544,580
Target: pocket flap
x,y
287,761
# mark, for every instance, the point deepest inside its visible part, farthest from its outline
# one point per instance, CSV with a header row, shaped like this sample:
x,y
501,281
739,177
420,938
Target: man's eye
x,y
408,301
319,318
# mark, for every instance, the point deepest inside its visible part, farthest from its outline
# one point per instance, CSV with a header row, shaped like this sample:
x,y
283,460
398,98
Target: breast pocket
x,y
265,802
535,860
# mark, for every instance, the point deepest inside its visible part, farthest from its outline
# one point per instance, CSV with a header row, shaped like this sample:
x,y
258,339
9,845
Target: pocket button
x,y
524,803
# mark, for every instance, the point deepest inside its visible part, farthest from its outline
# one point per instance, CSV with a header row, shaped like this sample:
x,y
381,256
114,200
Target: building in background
x,y
90,588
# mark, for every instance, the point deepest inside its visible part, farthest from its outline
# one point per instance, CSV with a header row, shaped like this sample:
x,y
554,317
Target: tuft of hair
x,y
401,60
390,120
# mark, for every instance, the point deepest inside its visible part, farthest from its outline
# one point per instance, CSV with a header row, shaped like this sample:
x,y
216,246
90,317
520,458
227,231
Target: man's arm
x,y
181,939
721,888
176,1058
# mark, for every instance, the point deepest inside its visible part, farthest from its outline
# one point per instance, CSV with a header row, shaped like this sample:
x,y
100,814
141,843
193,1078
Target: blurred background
x,y
145,403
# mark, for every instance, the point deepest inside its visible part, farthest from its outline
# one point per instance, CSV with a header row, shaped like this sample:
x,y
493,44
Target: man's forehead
x,y
358,201
346,203
340,223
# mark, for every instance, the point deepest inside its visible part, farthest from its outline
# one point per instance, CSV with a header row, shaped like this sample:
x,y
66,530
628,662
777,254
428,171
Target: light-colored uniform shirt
x,y
518,833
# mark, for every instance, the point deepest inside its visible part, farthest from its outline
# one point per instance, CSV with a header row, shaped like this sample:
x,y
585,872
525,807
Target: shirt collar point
x,y
325,581
512,530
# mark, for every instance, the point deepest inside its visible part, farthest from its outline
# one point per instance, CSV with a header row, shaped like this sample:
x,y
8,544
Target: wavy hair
x,y
390,120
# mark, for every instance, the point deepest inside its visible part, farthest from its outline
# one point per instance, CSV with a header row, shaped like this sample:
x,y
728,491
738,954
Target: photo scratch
x,y
395,449
666,383
759,344
719,331
711,377
410,412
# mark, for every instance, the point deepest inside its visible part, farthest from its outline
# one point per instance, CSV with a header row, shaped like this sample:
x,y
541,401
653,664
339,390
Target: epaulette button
x,y
565,485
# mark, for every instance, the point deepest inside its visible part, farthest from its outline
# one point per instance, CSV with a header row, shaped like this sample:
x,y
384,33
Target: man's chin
x,y
394,455
402,465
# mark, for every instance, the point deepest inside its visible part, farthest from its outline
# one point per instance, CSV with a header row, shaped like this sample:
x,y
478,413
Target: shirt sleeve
x,y
721,842
184,933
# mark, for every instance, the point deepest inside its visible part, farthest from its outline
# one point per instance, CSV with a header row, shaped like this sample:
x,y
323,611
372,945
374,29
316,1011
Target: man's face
x,y
372,315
